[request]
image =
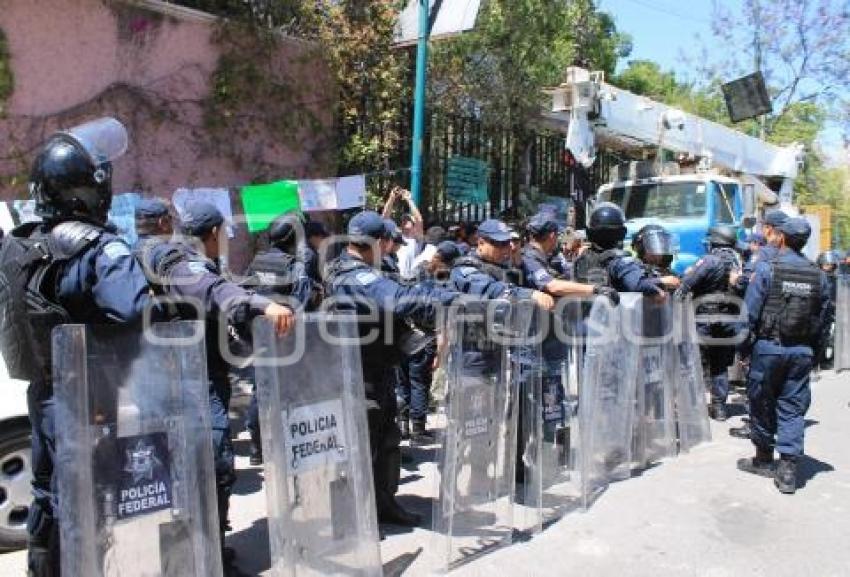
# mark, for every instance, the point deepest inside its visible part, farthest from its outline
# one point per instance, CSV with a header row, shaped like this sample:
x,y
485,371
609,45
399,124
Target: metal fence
x,y
541,165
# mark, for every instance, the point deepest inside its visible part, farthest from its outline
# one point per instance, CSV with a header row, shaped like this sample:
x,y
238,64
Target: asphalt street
x,y
692,516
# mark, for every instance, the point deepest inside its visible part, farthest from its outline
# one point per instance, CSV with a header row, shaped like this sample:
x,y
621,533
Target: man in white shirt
x,y
411,230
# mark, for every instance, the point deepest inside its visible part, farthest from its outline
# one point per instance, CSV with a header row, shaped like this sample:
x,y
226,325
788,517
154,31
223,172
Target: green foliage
x,y
356,40
517,48
7,79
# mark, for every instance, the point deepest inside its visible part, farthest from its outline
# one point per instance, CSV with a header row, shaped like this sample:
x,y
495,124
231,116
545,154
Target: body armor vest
x,y
591,267
791,313
271,273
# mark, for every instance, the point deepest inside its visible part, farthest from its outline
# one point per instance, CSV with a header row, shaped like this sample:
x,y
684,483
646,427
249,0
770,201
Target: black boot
x,y
717,411
786,475
394,514
419,432
761,464
256,458
740,432
404,427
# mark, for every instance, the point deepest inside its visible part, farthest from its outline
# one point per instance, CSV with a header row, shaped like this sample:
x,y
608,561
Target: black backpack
x,y
30,260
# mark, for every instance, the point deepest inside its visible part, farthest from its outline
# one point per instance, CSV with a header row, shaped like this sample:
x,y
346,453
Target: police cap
x,y
201,217
494,230
775,218
151,209
543,223
366,225
796,231
448,251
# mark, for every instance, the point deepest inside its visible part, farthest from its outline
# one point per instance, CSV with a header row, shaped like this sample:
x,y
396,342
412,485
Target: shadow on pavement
x,y
252,548
400,564
808,467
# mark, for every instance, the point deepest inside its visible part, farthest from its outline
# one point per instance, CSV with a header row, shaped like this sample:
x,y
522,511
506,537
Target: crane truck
x,y
718,175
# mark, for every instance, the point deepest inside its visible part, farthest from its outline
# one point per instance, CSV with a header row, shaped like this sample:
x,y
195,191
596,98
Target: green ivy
x,y
7,79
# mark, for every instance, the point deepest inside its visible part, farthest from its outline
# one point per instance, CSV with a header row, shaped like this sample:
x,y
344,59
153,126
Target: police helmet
x,y
283,229
830,257
607,225
654,240
723,235
72,175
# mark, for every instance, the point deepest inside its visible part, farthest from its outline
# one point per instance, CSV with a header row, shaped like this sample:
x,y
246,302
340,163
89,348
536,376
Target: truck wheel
x,y
15,479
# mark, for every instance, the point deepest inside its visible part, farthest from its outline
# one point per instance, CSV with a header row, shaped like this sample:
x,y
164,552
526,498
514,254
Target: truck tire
x,y
15,487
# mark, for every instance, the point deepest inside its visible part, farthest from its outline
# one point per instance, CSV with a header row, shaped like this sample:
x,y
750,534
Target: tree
x,y
801,46
518,47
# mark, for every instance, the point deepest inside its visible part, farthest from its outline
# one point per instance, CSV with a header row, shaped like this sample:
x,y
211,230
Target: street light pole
x,y
419,104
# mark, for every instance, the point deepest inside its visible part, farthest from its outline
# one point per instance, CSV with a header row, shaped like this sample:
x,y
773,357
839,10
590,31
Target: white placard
x,y
454,17
351,192
317,194
7,223
315,436
220,197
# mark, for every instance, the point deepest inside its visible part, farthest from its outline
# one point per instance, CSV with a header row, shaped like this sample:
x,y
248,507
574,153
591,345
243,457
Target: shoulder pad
x,y
465,271
69,239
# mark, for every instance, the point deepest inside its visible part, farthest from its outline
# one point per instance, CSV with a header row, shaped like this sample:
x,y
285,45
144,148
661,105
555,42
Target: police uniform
x,y
354,285
786,309
69,269
185,274
710,276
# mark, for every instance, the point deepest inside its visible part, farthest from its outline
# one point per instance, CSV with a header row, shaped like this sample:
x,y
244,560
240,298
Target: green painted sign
x,y
467,180
263,203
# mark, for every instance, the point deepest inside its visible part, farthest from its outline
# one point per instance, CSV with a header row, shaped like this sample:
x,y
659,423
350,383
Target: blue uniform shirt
x,y
470,280
104,284
627,275
535,269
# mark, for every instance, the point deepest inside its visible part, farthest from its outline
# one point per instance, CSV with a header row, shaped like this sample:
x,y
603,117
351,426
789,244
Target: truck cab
x,y
686,205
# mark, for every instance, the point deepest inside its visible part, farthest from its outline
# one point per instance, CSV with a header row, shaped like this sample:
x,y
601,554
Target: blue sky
x,y
662,30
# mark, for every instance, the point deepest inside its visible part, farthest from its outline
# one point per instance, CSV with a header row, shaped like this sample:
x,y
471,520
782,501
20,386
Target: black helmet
x,y
654,240
72,175
723,235
284,228
830,257
607,225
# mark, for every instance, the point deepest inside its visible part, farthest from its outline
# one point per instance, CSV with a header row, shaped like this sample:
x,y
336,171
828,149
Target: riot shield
x,y
691,409
654,423
134,457
473,513
841,339
548,440
607,401
319,487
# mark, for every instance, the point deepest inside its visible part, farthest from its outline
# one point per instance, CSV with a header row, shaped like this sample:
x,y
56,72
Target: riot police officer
x,y
653,245
191,277
828,262
355,284
711,276
278,273
95,280
483,272
786,306
605,263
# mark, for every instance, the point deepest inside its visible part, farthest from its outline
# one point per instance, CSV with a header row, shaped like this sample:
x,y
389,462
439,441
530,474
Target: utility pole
x,y
419,103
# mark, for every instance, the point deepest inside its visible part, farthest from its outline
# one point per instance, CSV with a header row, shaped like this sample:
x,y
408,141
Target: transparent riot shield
x,y
841,339
319,487
473,513
691,409
654,422
548,439
607,401
134,454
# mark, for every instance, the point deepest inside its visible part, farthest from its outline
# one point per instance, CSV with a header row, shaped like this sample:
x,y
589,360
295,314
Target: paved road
x,y
693,516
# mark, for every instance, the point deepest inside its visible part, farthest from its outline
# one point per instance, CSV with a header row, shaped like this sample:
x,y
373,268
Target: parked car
x,y
15,462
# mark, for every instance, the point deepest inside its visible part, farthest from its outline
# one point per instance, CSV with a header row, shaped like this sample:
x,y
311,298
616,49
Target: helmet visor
x,y
105,139
658,242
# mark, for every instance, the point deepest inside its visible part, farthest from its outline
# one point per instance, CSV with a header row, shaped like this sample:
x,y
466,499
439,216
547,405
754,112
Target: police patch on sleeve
x,y
197,267
116,249
366,277
541,276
